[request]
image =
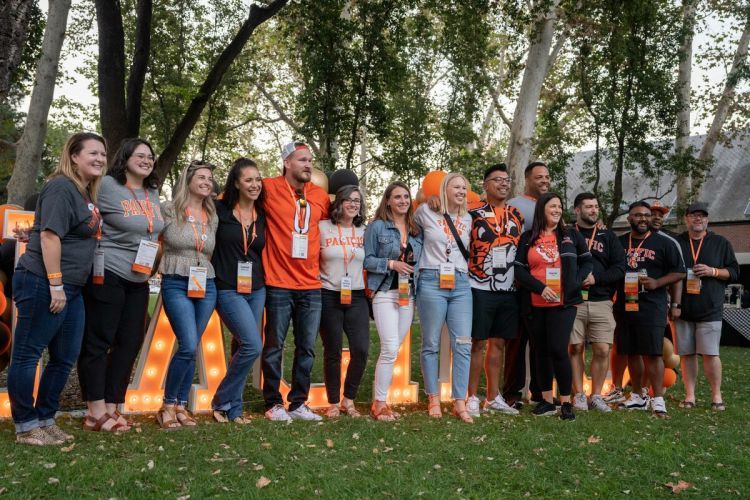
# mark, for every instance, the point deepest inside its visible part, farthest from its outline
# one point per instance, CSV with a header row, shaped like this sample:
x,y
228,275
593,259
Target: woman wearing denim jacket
x,y
393,244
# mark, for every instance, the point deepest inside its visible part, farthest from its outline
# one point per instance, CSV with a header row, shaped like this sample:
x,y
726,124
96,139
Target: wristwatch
x,y
675,305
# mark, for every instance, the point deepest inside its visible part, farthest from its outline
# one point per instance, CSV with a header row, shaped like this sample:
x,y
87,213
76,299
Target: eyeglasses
x,y
142,157
697,215
641,216
352,201
501,180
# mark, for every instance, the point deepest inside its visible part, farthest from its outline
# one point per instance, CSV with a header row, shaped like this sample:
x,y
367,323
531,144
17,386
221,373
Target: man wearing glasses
x,y
711,264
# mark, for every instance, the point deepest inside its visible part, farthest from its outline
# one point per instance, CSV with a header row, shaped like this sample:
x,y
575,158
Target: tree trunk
x,y
524,116
683,94
722,109
257,16
14,23
29,153
137,76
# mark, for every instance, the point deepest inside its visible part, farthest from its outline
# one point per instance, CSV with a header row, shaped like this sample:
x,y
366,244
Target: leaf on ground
x,y
50,466
3,490
53,480
437,466
216,472
329,443
355,436
593,439
266,445
184,497
68,449
150,464
258,467
262,482
225,446
679,487
242,461
138,430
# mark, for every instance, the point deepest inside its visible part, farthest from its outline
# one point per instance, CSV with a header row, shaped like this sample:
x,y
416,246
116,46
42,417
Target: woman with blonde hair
x,y
444,292
187,284
47,286
393,243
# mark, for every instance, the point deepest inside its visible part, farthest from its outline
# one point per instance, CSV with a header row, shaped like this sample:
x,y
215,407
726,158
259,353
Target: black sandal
x,y
718,406
687,404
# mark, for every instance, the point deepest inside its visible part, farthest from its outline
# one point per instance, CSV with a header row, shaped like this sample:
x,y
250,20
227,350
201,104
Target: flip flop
x,y
687,404
718,406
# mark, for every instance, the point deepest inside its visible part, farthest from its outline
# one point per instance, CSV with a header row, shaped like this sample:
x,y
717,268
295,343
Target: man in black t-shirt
x,y
711,264
653,263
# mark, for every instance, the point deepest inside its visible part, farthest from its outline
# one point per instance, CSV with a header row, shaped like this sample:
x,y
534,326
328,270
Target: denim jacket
x,y
383,243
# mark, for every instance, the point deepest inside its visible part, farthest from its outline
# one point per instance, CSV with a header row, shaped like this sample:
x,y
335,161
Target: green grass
x,y
417,456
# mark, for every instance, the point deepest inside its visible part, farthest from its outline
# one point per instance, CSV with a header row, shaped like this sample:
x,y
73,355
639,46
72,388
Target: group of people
x,y
497,275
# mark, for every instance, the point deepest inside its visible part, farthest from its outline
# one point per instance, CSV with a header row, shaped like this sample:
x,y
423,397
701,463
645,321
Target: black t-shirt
x,y
609,262
230,249
658,255
716,251
63,210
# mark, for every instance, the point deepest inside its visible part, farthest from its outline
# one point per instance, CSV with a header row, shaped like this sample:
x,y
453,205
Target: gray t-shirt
x,y
437,239
63,210
527,207
126,224
332,255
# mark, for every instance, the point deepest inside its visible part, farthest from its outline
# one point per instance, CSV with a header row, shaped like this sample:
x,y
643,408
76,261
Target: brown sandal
x,y
461,412
383,414
117,416
93,425
241,420
433,406
350,410
221,416
333,412
184,418
166,419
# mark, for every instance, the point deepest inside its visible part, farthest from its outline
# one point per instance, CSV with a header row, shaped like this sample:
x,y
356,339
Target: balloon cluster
x,y
431,187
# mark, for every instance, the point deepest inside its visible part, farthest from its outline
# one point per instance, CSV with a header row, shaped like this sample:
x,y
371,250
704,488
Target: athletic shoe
x,y
635,402
57,434
614,396
518,404
36,437
499,405
598,404
278,414
544,409
566,412
659,407
472,406
303,412
580,402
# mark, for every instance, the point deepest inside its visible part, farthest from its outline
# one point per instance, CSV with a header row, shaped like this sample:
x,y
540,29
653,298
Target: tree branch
x,y
286,118
137,76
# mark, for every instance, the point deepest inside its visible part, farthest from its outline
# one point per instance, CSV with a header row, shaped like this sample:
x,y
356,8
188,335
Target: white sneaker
x,y
598,404
580,402
472,406
498,404
303,412
614,396
635,402
659,407
278,414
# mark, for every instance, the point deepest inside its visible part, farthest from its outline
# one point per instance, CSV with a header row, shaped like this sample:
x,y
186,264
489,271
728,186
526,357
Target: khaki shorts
x,y
594,323
701,337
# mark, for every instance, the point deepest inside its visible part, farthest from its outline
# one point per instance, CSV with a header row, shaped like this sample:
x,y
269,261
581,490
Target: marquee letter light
x,y
20,219
145,392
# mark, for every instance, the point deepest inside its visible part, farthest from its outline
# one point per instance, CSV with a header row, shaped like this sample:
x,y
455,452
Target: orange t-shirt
x,y
544,255
280,269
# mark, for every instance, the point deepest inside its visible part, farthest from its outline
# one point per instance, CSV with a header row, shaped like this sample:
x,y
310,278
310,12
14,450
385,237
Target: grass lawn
x,y
596,455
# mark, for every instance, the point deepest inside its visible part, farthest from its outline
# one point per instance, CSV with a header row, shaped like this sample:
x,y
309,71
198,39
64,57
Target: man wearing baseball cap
x,y
711,264
293,207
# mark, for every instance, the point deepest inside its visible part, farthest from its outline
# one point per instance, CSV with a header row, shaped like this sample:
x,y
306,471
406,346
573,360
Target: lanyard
x,y
449,235
96,218
593,235
633,256
404,238
500,221
301,214
347,259
200,241
693,251
146,210
245,244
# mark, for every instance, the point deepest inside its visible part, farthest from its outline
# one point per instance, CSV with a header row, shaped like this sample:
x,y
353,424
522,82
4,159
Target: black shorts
x,y
495,315
644,340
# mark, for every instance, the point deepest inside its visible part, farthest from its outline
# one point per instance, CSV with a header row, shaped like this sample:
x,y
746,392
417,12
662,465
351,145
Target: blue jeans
x,y
188,318
438,306
243,315
36,329
302,308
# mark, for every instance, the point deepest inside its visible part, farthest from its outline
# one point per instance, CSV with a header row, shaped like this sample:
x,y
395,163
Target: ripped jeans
x,y
438,306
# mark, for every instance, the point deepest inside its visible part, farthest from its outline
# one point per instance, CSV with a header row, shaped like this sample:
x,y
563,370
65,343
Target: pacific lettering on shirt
x,y
133,207
596,245
460,227
334,241
643,254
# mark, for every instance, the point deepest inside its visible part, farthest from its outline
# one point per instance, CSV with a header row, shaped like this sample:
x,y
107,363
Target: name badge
x,y
693,283
98,278
447,275
299,246
499,258
346,290
146,256
584,294
403,290
244,277
552,280
197,282
631,292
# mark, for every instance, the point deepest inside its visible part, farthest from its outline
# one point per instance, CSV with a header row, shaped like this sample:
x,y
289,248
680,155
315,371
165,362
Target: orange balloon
x,y
431,183
5,338
419,199
319,178
473,197
670,377
6,313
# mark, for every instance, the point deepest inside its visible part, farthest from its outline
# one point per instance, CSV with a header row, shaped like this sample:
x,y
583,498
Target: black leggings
x,y
354,319
115,327
550,334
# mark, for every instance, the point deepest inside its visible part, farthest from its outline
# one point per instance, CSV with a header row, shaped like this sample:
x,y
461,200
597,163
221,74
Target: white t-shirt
x,y
438,238
332,267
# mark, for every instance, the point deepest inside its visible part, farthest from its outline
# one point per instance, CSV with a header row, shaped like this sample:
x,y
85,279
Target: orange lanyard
x,y
404,238
449,234
593,235
300,208
500,222
200,241
347,259
146,210
245,244
96,218
633,256
693,251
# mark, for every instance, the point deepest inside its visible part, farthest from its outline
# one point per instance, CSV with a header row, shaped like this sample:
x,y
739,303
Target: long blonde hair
x,y
181,193
462,210
67,168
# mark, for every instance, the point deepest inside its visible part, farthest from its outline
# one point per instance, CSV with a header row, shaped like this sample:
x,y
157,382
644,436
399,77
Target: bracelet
x,y
715,272
675,305
57,288
51,276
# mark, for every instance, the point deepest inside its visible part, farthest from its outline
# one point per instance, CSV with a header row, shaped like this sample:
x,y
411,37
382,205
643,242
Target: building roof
x,y
727,188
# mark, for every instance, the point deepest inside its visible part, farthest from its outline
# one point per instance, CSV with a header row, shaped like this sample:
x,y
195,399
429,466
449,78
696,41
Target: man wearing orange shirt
x,y
293,207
